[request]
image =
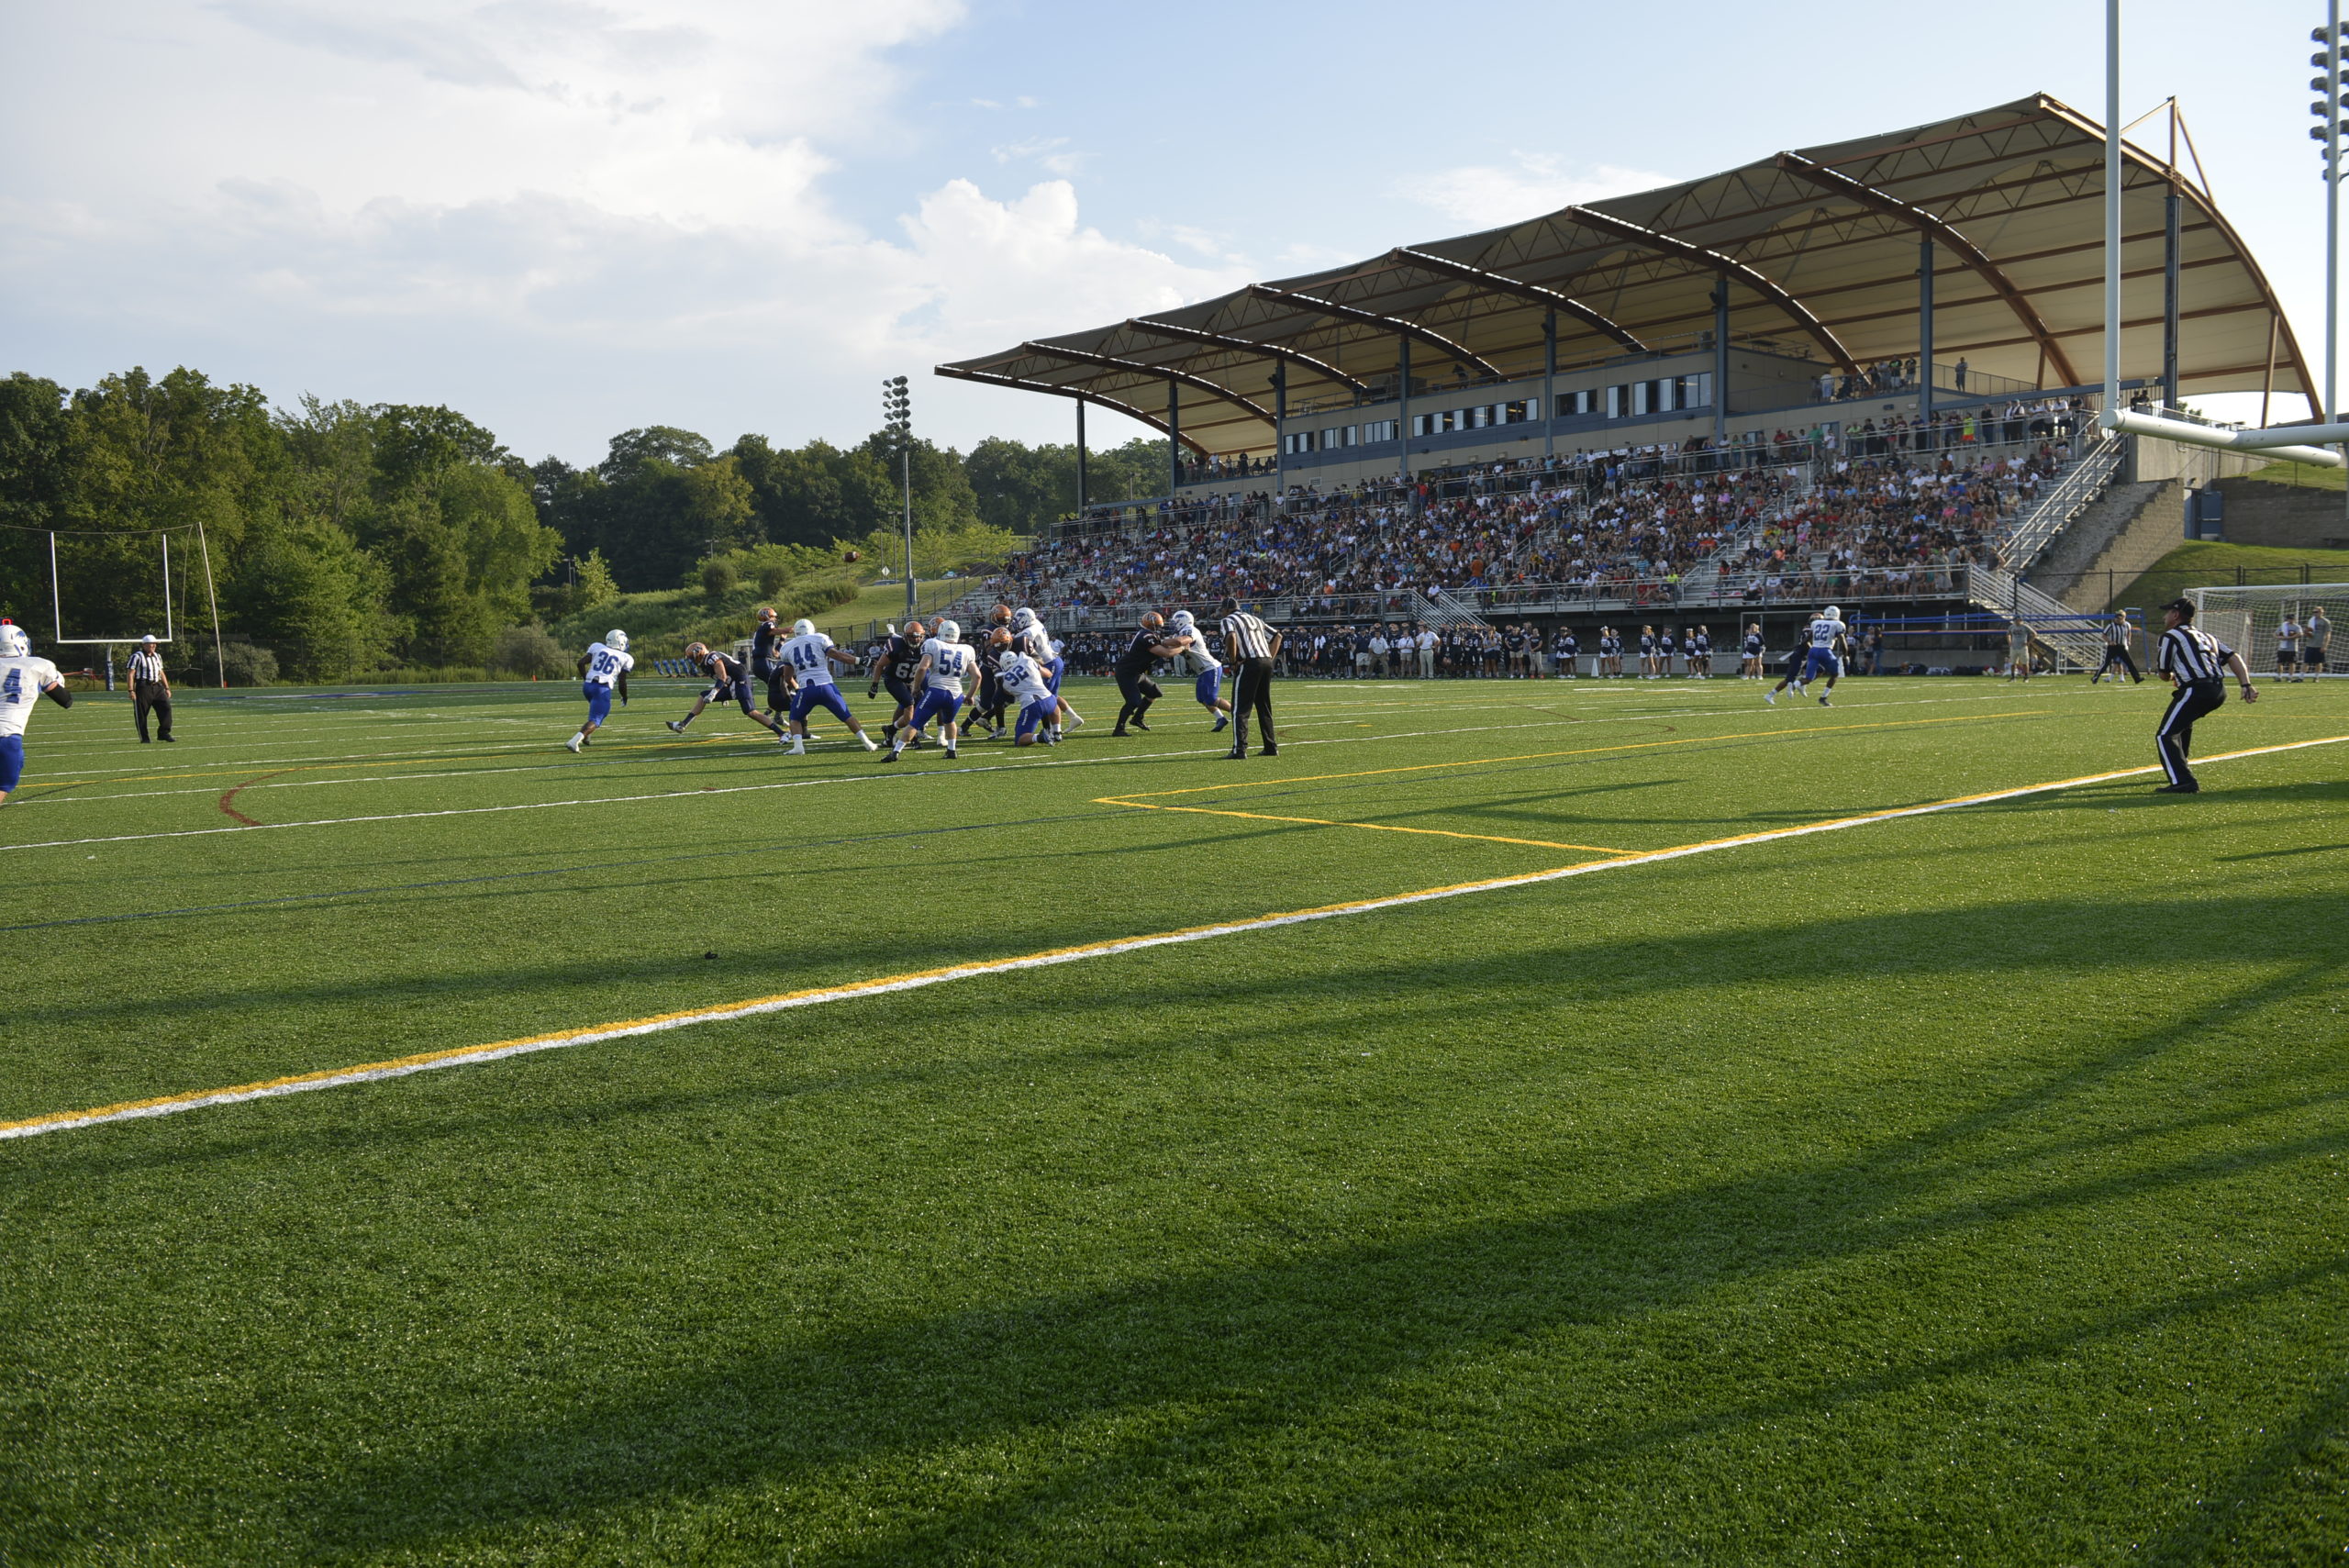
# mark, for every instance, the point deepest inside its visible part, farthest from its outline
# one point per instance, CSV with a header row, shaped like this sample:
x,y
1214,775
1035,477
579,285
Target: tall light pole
x,y
2327,86
897,412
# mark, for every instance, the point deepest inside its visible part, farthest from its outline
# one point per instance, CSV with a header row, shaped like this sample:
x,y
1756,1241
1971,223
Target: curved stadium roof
x,y
1819,248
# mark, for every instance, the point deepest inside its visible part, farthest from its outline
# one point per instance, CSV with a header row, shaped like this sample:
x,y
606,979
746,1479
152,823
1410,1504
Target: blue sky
x,y
569,219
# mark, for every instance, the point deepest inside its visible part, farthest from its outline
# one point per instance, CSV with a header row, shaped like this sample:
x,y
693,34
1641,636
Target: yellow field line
x,y
1139,795
1375,827
168,1105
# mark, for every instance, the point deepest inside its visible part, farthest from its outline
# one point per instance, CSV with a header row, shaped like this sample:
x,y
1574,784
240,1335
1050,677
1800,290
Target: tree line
x,y
345,539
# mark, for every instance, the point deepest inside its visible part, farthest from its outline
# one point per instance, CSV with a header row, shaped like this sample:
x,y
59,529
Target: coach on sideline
x,y
2198,663
1253,646
150,688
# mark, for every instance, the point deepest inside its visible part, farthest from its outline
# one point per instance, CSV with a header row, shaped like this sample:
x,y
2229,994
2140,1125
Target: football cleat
x,y
572,744
676,726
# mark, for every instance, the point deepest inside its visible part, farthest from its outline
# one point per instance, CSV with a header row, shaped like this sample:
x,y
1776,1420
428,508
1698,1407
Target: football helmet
x,y
802,627
617,641
1152,620
1002,637
1023,617
947,632
916,630
14,644
1182,621
1834,614
697,650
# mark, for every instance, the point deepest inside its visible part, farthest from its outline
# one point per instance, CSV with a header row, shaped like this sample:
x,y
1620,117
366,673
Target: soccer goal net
x,y
2279,630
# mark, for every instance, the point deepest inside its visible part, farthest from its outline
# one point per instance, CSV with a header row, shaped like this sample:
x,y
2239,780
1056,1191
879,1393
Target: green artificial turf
x,y
1961,1187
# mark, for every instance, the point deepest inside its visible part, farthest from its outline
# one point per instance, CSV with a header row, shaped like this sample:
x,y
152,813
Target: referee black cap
x,y
1229,605
2185,608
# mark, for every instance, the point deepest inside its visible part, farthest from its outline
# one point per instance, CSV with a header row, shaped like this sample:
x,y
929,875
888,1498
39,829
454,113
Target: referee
x,y
2116,651
2196,663
1250,646
151,689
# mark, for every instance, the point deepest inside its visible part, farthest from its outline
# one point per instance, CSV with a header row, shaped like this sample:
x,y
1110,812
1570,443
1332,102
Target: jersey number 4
x,y
13,688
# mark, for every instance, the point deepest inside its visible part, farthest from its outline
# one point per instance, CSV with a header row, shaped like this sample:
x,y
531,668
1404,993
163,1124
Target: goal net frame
x,y
2245,618
57,602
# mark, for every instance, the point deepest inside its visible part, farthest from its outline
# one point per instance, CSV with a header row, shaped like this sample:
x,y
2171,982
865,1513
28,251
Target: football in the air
x,y
856,555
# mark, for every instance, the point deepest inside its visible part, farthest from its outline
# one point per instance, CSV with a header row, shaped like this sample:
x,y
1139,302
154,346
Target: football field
x,y
1523,1122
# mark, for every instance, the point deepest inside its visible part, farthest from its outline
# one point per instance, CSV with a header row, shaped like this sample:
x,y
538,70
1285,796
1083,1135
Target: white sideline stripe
x,y
754,749
468,1056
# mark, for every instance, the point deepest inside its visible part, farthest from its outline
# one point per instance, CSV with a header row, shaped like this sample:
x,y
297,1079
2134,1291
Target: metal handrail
x,y
2090,477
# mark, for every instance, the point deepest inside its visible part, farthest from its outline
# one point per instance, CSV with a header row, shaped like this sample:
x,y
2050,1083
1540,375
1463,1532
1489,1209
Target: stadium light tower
x,y
898,416
2286,442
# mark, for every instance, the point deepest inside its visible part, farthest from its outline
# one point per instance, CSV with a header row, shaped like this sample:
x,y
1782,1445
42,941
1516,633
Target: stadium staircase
x,y
1442,610
2075,491
2072,636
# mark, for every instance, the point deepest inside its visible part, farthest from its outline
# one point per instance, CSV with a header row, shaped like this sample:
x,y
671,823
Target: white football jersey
x,y
949,662
1035,643
807,658
1823,632
1023,678
605,665
1196,660
21,681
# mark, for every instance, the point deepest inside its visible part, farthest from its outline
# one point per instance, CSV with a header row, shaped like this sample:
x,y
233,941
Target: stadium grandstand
x,y
1860,370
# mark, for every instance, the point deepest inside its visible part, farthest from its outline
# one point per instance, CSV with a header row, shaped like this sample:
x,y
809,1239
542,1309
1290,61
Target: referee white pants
x,y
2176,736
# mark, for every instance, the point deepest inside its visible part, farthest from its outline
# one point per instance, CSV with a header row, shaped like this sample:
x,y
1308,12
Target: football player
x,y
603,669
24,680
1208,683
1023,681
808,657
946,662
728,678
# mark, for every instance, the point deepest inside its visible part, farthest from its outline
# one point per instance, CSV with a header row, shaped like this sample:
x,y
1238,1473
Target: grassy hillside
x,y
2207,565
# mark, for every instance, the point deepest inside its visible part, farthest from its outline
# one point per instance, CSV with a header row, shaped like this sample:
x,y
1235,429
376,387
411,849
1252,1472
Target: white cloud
x,y
564,218
1485,196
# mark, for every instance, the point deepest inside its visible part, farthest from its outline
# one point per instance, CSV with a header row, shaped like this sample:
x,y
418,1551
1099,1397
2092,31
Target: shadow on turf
x,y
1159,1388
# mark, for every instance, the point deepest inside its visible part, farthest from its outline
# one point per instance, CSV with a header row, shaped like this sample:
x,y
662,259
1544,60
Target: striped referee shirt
x,y
147,667
1246,637
2117,635
2192,654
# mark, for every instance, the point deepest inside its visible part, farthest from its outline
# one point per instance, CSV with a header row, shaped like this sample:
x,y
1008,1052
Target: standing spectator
x,y
2320,632
151,689
1425,642
1379,649
1253,646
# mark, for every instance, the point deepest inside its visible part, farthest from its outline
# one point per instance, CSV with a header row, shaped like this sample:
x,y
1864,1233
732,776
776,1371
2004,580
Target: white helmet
x,y
1182,621
1023,617
1834,614
802,627
616,640
950,631
14,644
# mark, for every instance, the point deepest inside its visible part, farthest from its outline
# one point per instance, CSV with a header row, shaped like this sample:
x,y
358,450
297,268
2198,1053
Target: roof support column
x,y
1174,438
2169,299
1721,363
1080,460
1403,414
1925,331
1280,427
1549,383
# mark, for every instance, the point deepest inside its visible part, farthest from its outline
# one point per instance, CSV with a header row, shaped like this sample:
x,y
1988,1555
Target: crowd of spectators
x,y
1899,499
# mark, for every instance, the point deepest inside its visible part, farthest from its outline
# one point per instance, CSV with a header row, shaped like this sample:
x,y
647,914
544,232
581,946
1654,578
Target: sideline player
x,y
1208,683
728,678
2288,647
2197,664
2018,650
603,668
1752,669
1022,680
22,680
946,663
808,659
